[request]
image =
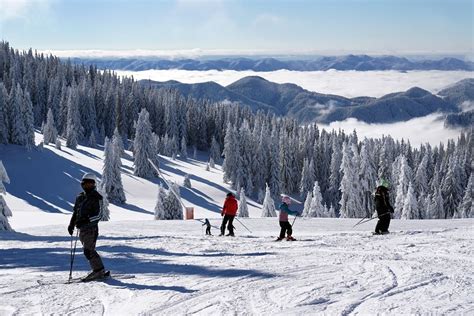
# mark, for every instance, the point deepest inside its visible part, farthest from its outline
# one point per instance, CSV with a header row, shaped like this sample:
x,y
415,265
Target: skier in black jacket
x,y
86,216
383,208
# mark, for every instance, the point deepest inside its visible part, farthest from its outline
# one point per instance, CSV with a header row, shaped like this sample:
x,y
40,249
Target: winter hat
x,y
383,183
89,177
230,194
285,199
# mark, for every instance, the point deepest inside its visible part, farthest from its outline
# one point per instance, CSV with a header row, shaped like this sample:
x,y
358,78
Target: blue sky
x,y
319,26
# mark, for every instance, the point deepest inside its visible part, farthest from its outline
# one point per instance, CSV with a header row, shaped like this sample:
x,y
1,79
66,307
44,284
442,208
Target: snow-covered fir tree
x,y
243,207
268,208
183,149
73,125
187,181
92,142
436,208
58,144
212,163
160,211
49,130
142,151
466,209
117,140
215,150
410,204
104,204
307,178
172,204
5,211
307,204
112,177
3,114
316,209
404,179
351,205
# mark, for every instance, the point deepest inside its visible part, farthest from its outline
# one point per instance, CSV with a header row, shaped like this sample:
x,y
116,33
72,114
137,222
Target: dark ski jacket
x,y
382,201
87,209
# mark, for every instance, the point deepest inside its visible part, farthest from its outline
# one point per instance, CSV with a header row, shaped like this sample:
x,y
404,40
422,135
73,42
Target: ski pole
x,y
294,220
73,253
372,218
359,222
243,225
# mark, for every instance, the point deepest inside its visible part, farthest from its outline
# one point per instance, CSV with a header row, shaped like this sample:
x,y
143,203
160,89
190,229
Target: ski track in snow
x,y
423,267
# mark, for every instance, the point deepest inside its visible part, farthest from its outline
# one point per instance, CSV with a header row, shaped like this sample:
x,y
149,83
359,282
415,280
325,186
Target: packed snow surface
x,y
422,267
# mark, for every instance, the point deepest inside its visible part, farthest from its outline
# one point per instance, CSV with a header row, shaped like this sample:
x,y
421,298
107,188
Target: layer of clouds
x,y
345,83
429,129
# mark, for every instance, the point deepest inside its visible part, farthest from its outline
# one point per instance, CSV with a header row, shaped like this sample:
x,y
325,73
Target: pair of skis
x,y
107,276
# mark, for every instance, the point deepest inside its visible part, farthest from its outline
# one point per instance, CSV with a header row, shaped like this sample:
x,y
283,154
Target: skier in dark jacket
x,y
284,223
383,208
86,216
208,227
229,210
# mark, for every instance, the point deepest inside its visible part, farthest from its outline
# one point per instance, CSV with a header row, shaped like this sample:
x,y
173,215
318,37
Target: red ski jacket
x,y
230,206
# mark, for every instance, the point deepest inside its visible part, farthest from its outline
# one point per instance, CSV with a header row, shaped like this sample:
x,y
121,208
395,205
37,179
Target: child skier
x,y
284,224
229,210
383,208
208,227
86,216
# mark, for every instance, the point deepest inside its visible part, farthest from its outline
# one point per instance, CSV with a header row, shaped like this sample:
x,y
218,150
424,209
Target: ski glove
x,y
70,229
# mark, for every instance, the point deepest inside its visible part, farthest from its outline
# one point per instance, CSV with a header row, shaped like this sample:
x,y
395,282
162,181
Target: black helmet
x,y
229,194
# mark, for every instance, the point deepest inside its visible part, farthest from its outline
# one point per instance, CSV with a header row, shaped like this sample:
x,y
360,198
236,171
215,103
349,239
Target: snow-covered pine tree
x,y
117,140
436,208
187,181
404,180
112,176
466,209
307,204
307,178
208,168
211,163
73,124
243,207
141,146
104,205
451,187
367,176
172,204
332,211
3,114
92,142
58,144
215,150
268,208
317,208
49,130
410,204
183,149
27,113
350,197
5,211
160,211
16,121
421,177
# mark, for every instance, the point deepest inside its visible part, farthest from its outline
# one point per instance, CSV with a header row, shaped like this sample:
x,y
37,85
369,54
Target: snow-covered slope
x,y
45,183
422,267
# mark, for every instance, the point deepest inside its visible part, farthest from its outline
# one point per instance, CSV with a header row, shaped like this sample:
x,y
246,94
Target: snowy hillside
x,y
44,184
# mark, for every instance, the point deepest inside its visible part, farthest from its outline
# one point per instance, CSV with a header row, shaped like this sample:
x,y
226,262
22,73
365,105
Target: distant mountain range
x,y
306,106
348,62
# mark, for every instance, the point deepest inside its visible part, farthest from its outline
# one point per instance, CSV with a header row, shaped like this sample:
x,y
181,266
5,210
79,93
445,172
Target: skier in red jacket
x,y
229,210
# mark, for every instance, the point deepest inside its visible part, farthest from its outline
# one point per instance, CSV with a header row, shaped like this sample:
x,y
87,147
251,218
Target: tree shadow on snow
x,y
135,286
42,178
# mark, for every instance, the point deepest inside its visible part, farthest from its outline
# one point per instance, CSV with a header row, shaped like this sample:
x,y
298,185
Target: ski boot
x,y
289,238
279,239
94,275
